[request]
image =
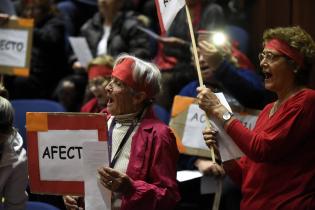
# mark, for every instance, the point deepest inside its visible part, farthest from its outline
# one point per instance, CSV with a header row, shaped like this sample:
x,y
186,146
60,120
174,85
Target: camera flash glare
x,y
219,38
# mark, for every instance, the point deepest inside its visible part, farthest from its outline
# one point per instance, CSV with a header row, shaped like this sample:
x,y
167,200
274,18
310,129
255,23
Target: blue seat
x,y
21,106
36,205
161,113
240,35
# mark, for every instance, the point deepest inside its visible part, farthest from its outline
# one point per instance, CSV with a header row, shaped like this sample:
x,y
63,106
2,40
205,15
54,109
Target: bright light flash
x,y
219,38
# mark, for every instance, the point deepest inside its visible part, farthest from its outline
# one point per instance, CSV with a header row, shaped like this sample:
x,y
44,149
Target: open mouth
x,y
110,101
267,75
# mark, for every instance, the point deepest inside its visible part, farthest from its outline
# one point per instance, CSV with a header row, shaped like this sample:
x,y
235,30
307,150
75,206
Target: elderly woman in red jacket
x,y
142,150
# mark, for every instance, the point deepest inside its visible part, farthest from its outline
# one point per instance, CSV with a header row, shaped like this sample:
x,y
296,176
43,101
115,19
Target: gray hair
x,y
6,117
144,73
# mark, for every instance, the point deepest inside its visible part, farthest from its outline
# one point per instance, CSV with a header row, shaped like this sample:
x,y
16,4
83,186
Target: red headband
x,y
99,70
123,71
284,48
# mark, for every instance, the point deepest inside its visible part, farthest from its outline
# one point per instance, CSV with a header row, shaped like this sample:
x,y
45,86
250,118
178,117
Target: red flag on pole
x,y
167,10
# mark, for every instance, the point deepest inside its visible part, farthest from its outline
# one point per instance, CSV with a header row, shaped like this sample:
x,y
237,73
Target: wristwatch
x,y
226,117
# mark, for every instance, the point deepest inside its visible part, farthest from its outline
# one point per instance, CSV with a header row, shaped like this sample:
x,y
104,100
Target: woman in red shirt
x,y
277,171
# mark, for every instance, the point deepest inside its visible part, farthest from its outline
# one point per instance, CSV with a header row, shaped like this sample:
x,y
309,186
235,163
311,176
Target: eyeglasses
x,y
268,56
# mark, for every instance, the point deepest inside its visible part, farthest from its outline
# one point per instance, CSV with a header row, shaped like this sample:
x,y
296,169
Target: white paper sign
x,y
186,175
95,155
196,123
13,45
60,154
81,50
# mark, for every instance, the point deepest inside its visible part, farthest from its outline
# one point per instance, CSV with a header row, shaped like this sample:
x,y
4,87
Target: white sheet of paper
x,y
223,101
60,154
149,32
81,50
186,175
196,123
209,184
13,54
227,148
97,197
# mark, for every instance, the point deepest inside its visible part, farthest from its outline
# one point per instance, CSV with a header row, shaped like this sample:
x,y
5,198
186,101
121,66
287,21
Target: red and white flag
x,y
167,10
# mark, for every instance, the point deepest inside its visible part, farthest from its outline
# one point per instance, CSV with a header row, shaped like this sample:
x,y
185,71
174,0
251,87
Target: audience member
x,y
230,73
48,59
226,69
277,170
99,73
13,161
174,54
113,30
70,92
76,12
142,149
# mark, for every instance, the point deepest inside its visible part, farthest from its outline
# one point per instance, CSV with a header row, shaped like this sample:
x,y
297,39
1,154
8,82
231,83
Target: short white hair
x,y
144,73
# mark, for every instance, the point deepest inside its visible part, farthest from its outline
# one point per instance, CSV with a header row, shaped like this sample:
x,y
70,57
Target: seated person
x,y
113,30
99,74
13,162
48,54
224,69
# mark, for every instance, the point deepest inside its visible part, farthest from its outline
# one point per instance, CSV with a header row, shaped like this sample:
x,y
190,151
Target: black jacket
x,y
124,35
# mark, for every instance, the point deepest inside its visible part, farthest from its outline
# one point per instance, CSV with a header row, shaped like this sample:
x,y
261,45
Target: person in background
x,y
99,74
277,171
113,30
76,12
13,162
225,69
70,92
142,149
48,55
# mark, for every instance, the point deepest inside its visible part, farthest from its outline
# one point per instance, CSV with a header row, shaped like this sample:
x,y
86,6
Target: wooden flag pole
x,y
192,35
217,195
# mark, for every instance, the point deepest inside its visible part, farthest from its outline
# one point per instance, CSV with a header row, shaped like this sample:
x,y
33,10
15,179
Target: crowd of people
x,y
131,73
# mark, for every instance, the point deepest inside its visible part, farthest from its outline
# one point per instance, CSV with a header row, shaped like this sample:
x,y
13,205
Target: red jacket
x,y
91,106
278,172
152,166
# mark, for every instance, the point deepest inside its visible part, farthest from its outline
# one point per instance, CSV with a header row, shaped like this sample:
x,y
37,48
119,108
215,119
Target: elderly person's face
x,y
121,98
276,69
97,87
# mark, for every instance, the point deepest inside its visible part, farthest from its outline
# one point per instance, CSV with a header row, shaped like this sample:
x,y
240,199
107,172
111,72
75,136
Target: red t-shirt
x,y
278,172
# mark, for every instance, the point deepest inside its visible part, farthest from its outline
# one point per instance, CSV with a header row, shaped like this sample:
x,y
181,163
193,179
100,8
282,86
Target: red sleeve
x,y
234,169
89,106
160,190
277,137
